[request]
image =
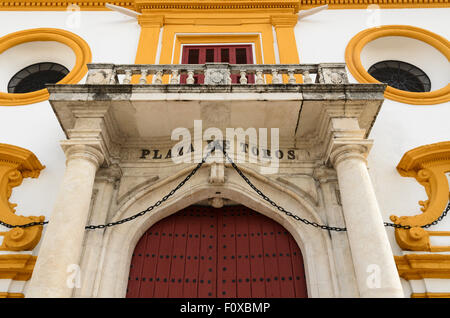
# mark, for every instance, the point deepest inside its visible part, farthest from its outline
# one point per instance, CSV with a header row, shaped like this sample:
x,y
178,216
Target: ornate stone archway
x,y
118,243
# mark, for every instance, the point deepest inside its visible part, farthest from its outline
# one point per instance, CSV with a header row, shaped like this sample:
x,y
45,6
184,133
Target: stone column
x,y
55,274
375,269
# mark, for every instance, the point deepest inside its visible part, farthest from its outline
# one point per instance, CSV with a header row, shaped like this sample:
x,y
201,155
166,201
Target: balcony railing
x,y
217,74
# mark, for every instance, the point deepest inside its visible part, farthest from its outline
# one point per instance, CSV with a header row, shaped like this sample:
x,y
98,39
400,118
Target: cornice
x,y
27,163
420,266
61,5
417,158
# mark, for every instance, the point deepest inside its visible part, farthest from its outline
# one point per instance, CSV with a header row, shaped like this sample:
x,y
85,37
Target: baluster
x,y
143,79
190,79
127,79
113,78
243,78
306,78
259,77
175,77
275,78
292,79
158,77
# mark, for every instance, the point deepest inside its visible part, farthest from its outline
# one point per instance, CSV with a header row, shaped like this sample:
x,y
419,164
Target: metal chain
x,y
158,203
315,224
10,226
399,226
259,192
280,208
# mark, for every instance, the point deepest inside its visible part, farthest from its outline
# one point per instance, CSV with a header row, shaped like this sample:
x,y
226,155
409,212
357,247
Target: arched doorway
x,y
204,252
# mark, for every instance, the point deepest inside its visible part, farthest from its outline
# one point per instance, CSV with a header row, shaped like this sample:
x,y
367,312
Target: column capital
x,y
82,151
347,151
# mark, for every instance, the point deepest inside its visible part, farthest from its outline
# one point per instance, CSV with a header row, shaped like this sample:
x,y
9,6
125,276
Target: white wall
x,y
112,37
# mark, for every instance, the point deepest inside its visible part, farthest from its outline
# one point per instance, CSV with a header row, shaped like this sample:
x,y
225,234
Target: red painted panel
x,y
226,255
256,257
298,269
206,252
164,259
243,277
151,244
192,255
200,54
284,262
178,256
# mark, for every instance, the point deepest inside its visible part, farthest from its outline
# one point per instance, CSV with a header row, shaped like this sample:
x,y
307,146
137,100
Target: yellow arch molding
x,y
428,165
357,43
77,44
15,164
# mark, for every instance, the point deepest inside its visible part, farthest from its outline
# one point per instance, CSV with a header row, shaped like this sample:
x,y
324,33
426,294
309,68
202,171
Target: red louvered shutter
x,y
201,54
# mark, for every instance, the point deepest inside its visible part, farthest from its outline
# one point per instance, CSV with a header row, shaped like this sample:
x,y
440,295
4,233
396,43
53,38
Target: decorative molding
x,y
61,5
420,266
85,152
364,4
15,164
354,64
217,173
17,266
11,295
430,295
428,165
77,44
142,5
347,151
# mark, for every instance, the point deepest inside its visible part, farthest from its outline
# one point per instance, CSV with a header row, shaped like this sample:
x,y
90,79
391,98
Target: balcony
x,y
142,104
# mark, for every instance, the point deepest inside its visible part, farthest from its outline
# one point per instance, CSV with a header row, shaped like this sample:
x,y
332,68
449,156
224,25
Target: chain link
x,y
247,180
280,208
10,226
158,203
406,227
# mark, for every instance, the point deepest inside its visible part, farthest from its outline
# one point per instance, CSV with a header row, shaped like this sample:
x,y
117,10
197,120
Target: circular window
x,y
71,51
34,77
431,53
401,75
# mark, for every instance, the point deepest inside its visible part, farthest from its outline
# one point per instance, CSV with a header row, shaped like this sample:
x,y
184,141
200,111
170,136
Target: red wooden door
x,y
233,54
202,252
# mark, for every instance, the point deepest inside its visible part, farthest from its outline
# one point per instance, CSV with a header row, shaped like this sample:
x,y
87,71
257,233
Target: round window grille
x,y
401,75
35,77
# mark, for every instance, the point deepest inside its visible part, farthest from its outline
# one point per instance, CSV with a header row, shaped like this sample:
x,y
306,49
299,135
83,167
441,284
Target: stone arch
x,y
119,241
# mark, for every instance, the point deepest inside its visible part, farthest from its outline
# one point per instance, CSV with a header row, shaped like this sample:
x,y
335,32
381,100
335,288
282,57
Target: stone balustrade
x,y
217,74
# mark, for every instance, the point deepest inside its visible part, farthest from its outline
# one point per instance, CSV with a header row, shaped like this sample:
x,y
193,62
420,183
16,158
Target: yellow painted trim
x,y
357,43
430,295
11,295
61,5
420,266
15,164
77,44
428,164
17,266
